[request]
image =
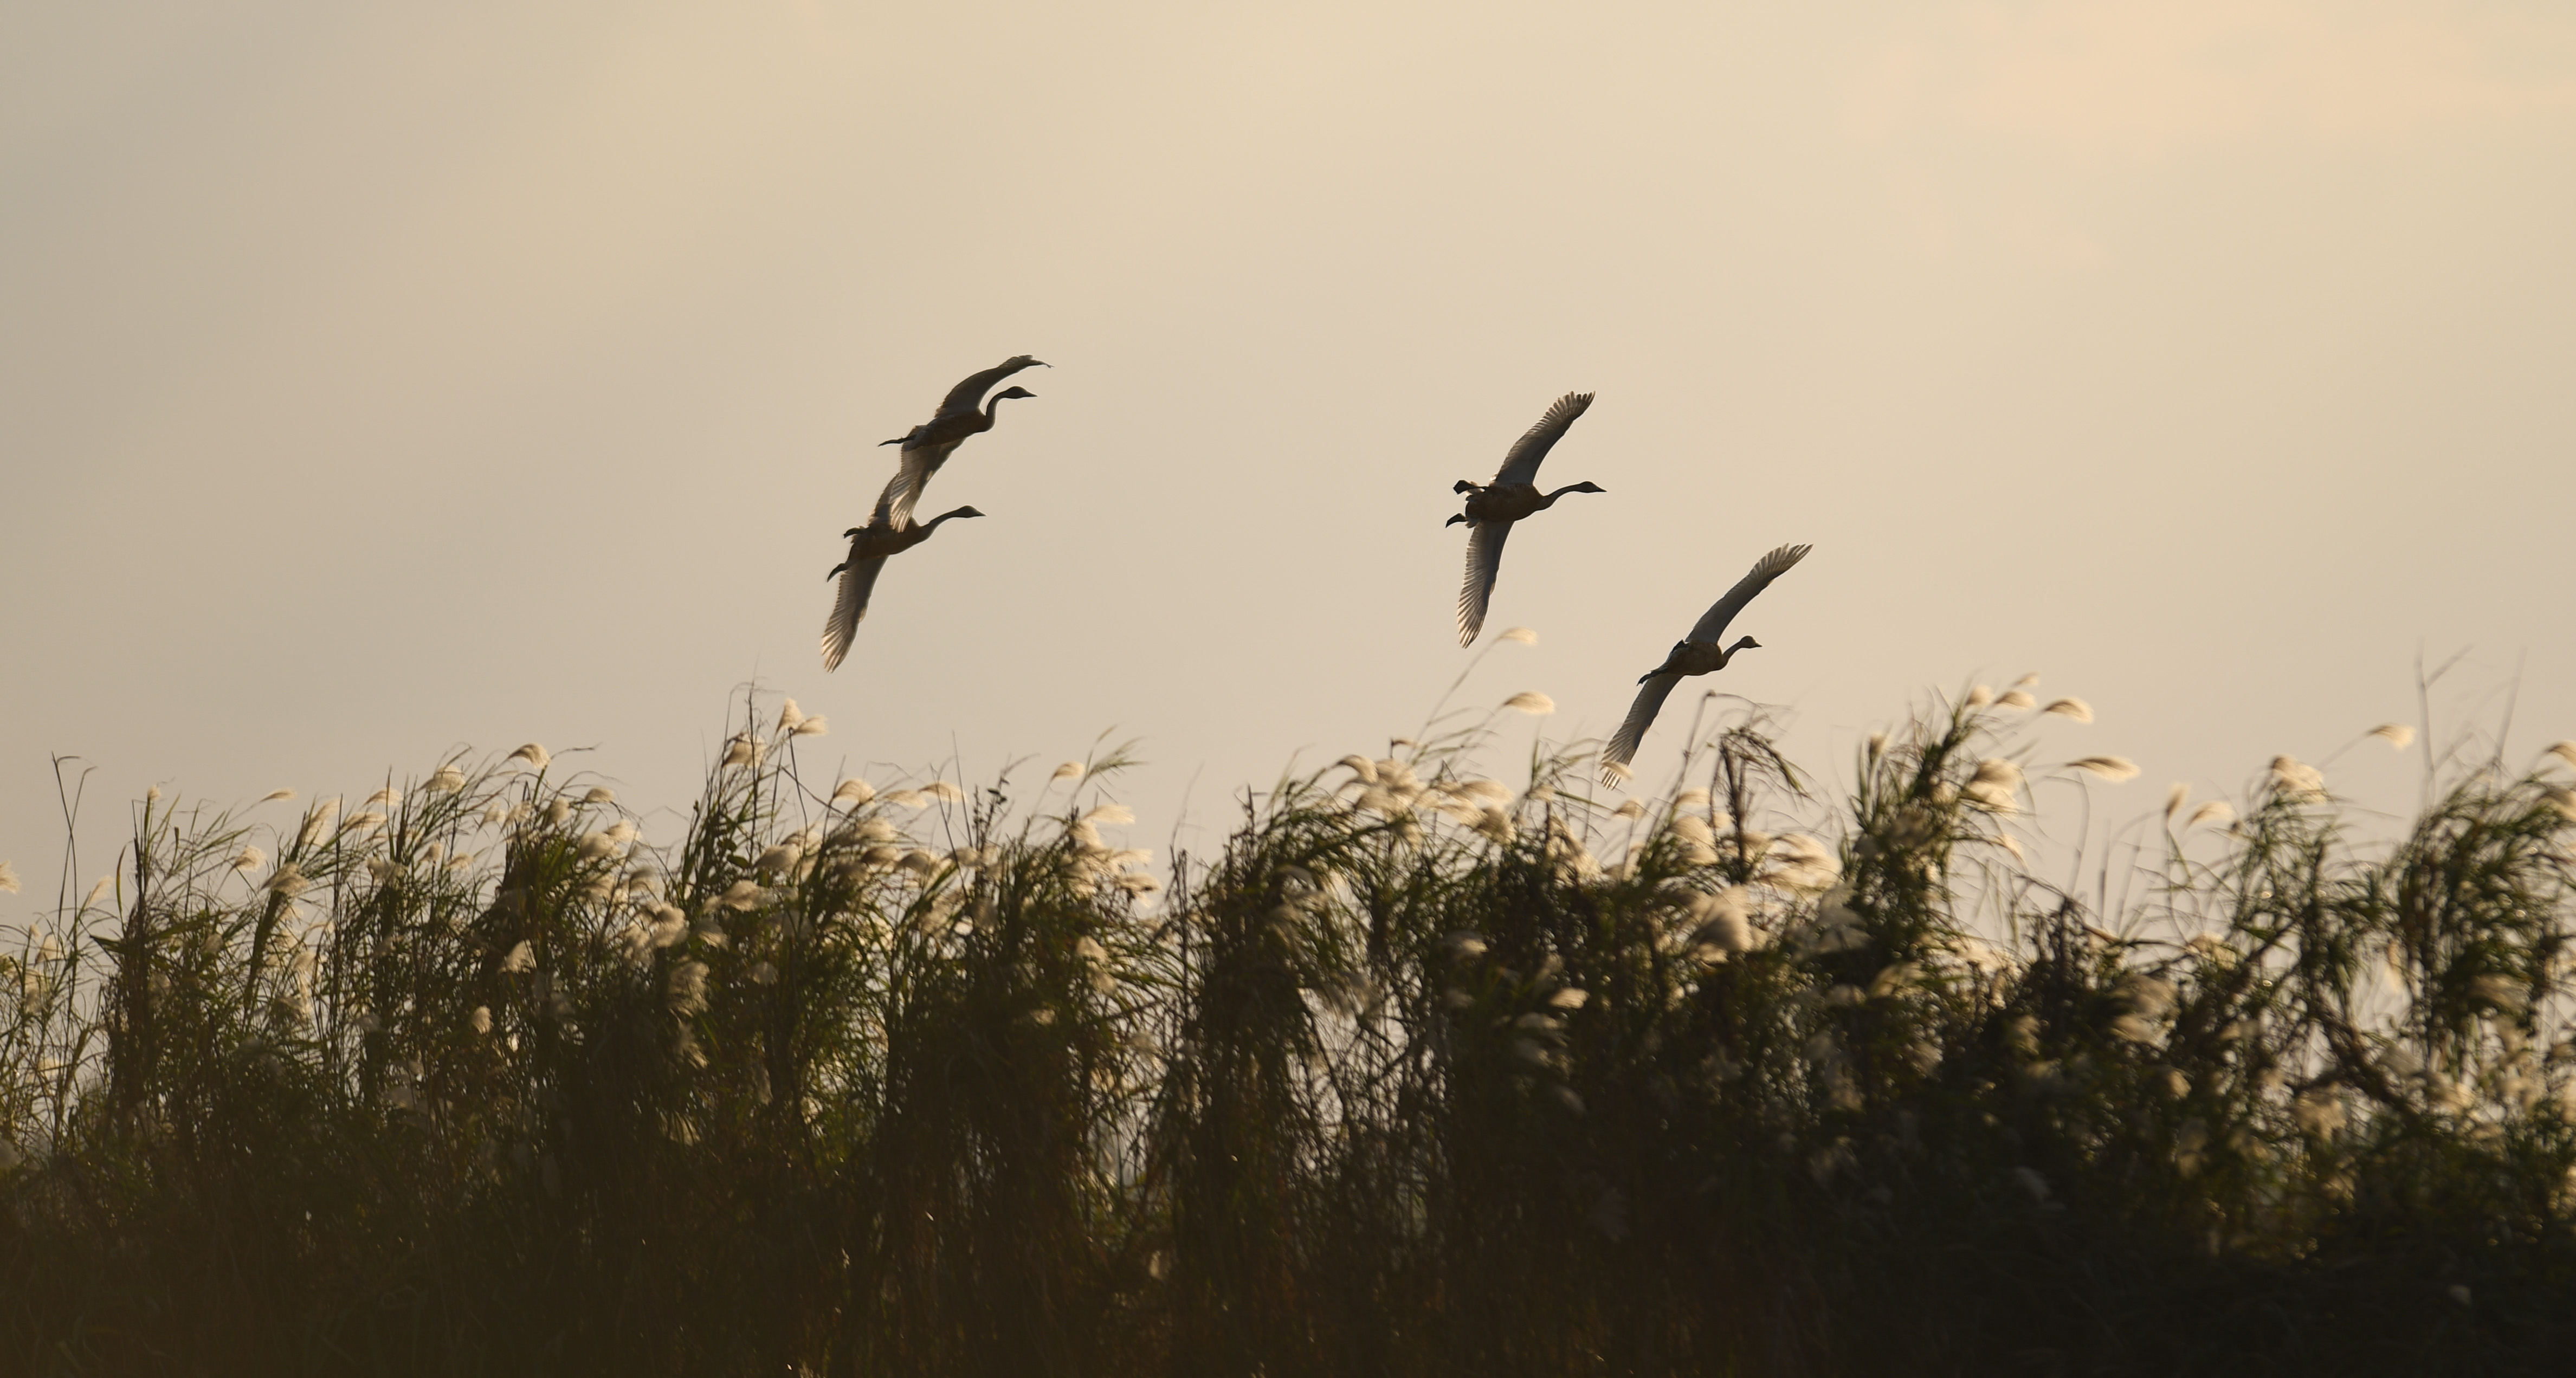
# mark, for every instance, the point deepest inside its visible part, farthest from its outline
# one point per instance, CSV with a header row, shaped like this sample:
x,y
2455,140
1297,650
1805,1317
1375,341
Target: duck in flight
x,y
1699,653
870,547
1493,507
962,413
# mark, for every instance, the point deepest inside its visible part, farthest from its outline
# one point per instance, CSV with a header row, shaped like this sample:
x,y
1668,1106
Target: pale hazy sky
x,y
376,379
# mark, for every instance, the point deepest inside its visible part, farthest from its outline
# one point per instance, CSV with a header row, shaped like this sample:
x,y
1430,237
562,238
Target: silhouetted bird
x,y
963,413
870,546
1697,654
1493,507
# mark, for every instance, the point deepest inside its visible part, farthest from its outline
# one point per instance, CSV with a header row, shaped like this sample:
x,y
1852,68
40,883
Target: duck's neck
x,y
991,409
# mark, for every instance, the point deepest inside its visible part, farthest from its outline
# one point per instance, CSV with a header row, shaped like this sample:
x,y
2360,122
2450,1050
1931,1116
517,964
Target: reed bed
x,y
1421,1073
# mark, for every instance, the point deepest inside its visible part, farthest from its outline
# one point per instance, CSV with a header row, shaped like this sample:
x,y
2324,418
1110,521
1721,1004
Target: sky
x,y
379,381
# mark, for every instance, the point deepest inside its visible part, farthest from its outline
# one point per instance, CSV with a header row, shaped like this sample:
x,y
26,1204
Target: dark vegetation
x,y
1420,1075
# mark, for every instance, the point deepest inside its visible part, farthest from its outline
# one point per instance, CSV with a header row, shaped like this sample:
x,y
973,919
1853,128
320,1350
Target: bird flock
x,y
1490,511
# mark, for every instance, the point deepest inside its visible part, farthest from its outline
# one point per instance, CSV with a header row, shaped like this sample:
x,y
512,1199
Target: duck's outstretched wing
x,y
849,604
1520,465
1632,731
911,476
1484,564
969,395
1712,624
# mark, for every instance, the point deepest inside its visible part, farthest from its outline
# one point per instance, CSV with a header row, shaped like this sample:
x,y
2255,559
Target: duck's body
x,y
870,547
963,413
1703,652
1491,508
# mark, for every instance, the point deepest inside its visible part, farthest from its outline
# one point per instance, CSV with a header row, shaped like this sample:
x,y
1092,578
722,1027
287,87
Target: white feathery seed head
x,y
2215,811
2074,708
276,796
1110,813
739,752
1980,696
599,794
1070,770
8,878
2564,751
480,1020
2011,844
2116,769
2029,681
387,799
2295,779
943,791
2504,991
2397,734
98,890
447,780
1996,785
2319,1112
814,726
1522,635
521,958
317,822
1692,798
789,715
2018,699
1360,766
907,798
1725,920
1634,808
2175,798
742,894
250,859
1531,701
535,755
853,793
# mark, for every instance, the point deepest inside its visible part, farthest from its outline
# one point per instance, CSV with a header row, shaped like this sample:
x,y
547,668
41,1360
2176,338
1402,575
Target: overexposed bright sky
x,y
380,379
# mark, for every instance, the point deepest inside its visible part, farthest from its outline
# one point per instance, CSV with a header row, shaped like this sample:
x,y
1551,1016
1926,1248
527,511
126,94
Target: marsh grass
x,y
1421,1073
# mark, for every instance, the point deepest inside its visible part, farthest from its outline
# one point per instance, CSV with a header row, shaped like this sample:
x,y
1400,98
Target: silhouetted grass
x,y
1420,1074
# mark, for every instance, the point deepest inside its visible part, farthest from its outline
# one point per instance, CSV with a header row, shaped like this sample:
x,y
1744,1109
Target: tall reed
x,y
1420,1073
